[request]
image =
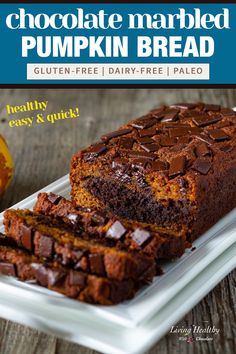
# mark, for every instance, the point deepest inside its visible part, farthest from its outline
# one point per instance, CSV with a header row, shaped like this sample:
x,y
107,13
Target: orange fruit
x,y
6,165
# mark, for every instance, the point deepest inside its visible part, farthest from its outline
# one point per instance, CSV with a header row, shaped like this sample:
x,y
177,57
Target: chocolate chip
x,y
147,132
140,237
205,138
94,151
74,219
212,107
115,292
202,150
227,112
194,130
26,237
45,247
40,273
119,163
144,122
202,166
116,231
158,113
7,269
150,147
218,135
170,116
158,165
54,198
184,105
76,278
167,141
204,120
72,256
140,163
167,126
96,263
183,139
126,143
115,134
192,113
55,277
145,140
78,254
177,166
176,132
226,148
141,154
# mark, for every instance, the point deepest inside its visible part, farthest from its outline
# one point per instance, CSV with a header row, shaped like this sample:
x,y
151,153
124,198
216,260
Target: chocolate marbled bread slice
x,y
78,285
112,231
43,236
174,167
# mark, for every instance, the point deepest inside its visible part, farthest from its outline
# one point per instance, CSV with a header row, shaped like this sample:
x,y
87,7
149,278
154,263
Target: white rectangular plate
x,y
135,314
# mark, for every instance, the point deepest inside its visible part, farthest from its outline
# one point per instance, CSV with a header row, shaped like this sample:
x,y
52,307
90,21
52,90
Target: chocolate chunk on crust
x,y
97,263
158,165
45,245
147,132
177,166
94,151
170,116
202,165
144,122
141,236
7,269
212,107
205,120
218,135
115,134
26,233
126,143
54,198
202,150
116,231
141,154
150,147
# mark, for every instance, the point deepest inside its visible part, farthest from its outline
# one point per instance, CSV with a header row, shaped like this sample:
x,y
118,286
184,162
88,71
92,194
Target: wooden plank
x,y
42,153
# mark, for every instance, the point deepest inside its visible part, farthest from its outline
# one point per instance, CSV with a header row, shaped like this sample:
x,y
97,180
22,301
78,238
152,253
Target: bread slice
x,y
123,234
52,275
43,236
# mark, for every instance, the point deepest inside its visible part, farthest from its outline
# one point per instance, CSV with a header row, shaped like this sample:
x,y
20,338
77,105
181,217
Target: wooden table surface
x,y
42,153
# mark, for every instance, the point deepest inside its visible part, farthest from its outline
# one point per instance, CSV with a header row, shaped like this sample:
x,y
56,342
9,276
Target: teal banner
x,y
117,43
